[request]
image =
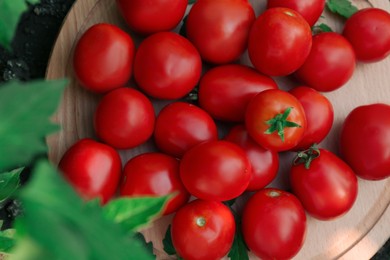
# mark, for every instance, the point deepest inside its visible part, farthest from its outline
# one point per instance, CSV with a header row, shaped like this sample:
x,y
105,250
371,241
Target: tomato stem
x,y
279,123
307,156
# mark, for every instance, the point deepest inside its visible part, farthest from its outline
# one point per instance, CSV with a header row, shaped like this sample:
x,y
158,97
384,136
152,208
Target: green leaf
x,y
147,245
341,7
7,241
321,28
25,109
9,182
167,242
239,250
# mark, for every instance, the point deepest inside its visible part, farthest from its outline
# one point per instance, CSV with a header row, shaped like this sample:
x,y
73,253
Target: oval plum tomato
x,y
311,10
94,169
365,141
152,174
147,17
330,64
279,41
219,28
124,118
103,58
368,30
203,230
274,224
319,116
325,184
215,170
276,120
225,91
180,126
167,66
265,163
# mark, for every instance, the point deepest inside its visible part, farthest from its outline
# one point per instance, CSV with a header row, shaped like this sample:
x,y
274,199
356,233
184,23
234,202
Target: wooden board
x,y
357,235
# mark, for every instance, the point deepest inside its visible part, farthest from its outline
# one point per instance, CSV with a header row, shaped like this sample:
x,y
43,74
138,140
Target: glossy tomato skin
x,y
368,30
124,118
219,28
180,126
94,169
279,42
147,17
319,115
225,91
203,230
330,64
205,167
265,163
274,224
327,189
154,174
365,141
167,66
103,58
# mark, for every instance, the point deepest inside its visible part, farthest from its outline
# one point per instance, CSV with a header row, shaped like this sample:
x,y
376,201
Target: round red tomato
x,y
279,41
325,184
276,120
319,116
265,163
274,224
215,170
219,28
124,118
330,64
103,58
167,66
94,169
147,17
225,91
152,174
180,126
365,141
203,230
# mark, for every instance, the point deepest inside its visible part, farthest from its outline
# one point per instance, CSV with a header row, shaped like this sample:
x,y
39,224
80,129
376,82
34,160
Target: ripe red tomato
x,y
103,58
124,118
152,174
365,141
265,163
225,91
94,169
167,66
276,120
330,64
279,41
147,17
215,170
203,230
274,224
319,116
325,184
180,126
219,28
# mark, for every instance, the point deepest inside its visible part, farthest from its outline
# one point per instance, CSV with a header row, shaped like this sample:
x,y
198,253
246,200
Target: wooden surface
x,y
356,235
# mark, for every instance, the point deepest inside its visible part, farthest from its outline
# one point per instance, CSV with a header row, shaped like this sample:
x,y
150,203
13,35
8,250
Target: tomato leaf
x,y
7,240
321,28
9,182
147,245
239,250
341,7
167,242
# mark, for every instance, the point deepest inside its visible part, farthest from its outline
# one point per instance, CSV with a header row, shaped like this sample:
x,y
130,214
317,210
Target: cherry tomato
x,y
152,174
103,58
365,141
274,224
330,64
180,126
215,170
147,17
276,120
124,118
325,184
203,230
279,41
167,66
319,116
225,91
94,169
265,163
219,28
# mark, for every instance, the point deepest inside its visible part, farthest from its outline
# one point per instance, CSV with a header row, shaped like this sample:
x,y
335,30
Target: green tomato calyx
x,y
307,156
279,123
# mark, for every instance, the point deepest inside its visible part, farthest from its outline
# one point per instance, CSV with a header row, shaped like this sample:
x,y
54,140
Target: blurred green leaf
x,y
9,182
7,241
167,242
341,7
147,245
